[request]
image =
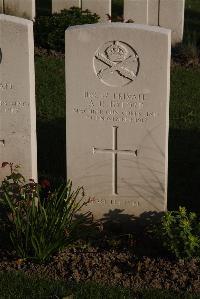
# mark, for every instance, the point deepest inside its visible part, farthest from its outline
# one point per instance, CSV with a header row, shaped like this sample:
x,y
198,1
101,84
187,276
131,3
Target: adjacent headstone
x,y
20,8
165,13
153,12
100,7
136,10
58,5
142,11
1,6
172,16
117,85
17,96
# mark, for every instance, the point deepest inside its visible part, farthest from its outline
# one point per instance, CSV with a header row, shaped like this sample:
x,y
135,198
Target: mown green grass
x,y
192,23
50,104
51,74
184,139
15,285
184,100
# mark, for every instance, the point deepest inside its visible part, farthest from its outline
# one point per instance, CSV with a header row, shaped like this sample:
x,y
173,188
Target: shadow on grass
x,y
52,148
117,9
43,7
192,27
184,169
137,233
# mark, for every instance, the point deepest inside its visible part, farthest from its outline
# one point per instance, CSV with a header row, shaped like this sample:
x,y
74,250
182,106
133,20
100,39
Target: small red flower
x,y
45,183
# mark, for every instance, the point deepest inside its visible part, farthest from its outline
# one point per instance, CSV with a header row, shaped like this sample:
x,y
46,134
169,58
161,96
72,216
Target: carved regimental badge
x,y
116,64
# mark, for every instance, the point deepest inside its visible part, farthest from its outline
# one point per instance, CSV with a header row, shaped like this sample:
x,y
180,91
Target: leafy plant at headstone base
x,y
50,30
180,233
39,227
15,185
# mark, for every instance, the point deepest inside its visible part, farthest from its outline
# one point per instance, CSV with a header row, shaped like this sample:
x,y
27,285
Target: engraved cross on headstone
x,y
115,152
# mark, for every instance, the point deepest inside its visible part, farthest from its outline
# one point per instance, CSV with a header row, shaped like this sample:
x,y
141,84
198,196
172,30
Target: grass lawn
x,y
50,96
15,285
192,22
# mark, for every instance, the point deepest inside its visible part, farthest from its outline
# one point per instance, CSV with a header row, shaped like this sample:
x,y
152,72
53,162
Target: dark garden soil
x,y
114,266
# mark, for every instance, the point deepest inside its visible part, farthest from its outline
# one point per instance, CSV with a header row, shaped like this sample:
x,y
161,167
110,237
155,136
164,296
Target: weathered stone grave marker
x,y
58,5
172,16
20,8
17,96
1,6
142,11
165,13
117,115
136,10
100,7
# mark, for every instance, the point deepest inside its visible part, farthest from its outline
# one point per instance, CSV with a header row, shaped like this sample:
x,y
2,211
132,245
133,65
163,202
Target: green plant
x,y
50,30
180,233
39,226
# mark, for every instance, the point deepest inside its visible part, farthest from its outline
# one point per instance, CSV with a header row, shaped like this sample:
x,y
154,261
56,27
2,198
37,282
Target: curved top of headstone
x,y
123,26
14,19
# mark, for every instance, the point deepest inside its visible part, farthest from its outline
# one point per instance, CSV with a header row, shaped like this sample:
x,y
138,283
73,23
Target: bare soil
x,y
112,265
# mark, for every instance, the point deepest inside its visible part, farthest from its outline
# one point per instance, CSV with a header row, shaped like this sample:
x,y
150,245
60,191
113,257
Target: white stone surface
x,y
1,6
172,16
142,11
136,10
165,13
17,96
58,5
100,7
20,8
153,12
118,115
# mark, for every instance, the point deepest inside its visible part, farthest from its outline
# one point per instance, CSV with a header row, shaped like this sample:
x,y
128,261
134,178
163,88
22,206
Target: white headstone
x,y
20,8
17,96
153,12
136,10
100,7
1,6
117,85
142,11
58,5
172,16
164,13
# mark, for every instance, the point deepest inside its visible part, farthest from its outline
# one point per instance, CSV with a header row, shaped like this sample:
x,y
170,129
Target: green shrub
x,y
39,226
50,30
180,233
